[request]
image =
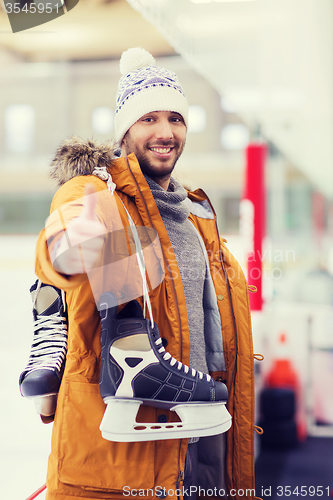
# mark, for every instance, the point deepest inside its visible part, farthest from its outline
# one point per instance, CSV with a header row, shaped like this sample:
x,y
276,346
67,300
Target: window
x,y
235,136
102,120
19,128
196,118
23,213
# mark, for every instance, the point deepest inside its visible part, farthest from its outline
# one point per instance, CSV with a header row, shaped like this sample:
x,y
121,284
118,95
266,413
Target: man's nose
x,y
164,130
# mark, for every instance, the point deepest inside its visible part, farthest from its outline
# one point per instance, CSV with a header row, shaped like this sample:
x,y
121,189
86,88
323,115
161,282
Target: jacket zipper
x,y
180,480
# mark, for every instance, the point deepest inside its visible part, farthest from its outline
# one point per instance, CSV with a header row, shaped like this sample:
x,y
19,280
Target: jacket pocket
x,y
89,461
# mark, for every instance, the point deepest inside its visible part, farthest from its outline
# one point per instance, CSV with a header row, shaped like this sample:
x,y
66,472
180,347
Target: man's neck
x,y
162,181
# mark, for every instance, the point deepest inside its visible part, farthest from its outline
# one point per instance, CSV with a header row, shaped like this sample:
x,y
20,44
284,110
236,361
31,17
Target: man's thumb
x,y
89,203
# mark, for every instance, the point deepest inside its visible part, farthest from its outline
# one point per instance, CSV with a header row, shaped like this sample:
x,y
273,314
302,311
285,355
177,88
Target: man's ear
x,y
123,146
123,149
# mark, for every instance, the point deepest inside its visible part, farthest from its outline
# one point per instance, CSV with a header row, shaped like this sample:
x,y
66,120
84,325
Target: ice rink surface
x,y
25,440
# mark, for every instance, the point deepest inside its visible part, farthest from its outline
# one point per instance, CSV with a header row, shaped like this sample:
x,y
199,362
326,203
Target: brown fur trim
x,y
76,156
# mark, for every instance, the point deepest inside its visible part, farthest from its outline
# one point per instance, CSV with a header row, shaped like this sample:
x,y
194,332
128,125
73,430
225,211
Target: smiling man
x,y
201,305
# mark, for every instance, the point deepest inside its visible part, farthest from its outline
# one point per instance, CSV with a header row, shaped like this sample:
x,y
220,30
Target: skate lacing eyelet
x,y
167,357
49,346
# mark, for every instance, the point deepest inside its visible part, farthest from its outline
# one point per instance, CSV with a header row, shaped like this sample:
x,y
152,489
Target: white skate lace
x,y
167,357
103,174
142,267
49,346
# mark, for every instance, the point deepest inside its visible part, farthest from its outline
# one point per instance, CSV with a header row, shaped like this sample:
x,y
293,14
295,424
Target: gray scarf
x,y
174,211
171,203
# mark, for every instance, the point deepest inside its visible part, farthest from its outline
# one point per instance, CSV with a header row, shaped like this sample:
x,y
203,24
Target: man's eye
x,y
148,119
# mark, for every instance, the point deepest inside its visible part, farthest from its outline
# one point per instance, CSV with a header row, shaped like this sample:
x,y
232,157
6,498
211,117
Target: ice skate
x,y
42,376
136,369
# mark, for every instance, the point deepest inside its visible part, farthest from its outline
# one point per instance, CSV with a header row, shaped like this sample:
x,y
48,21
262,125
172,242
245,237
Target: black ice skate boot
x,y
136,369
42,376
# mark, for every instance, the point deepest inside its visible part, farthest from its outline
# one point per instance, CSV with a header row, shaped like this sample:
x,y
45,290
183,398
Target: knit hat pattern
x,y
144,88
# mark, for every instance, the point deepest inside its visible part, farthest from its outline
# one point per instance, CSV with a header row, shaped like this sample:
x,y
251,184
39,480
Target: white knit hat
x,y
143,88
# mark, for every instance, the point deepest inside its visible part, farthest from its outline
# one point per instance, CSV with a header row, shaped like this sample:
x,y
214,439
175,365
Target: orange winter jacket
x,y
82,464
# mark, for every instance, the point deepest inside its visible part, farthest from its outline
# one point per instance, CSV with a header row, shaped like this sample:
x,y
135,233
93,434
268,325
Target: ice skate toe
x,y
221,392
40,382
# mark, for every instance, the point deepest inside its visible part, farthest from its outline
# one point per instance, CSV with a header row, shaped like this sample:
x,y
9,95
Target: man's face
x,y
157,139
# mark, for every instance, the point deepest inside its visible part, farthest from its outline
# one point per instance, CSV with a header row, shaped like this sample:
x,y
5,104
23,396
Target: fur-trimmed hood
x,y
76,156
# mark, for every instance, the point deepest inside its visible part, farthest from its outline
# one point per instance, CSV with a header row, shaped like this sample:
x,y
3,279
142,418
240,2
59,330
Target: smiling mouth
x,y
160,150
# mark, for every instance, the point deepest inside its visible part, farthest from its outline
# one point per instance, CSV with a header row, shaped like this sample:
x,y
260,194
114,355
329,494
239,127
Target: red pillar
x,y
255,192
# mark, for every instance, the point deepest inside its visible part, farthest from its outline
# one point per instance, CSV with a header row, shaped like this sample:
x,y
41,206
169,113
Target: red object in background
x,y
36,493
255,192
283,375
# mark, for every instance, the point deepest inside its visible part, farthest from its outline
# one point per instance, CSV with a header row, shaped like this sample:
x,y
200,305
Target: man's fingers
x,y
89,203
80,247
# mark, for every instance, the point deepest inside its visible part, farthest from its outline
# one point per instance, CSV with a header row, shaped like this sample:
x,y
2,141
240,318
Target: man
x,y
200,304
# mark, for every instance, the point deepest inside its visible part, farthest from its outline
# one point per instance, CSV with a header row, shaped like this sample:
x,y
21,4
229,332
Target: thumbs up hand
x,y
79,248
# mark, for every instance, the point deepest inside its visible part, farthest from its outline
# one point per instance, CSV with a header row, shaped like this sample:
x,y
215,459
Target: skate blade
x,y
197,420
45,405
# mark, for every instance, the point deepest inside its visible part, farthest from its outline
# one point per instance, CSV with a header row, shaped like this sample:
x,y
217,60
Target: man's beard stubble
x,y
147,167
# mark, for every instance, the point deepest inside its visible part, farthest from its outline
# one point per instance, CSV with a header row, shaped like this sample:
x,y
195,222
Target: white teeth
x,y
161,150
